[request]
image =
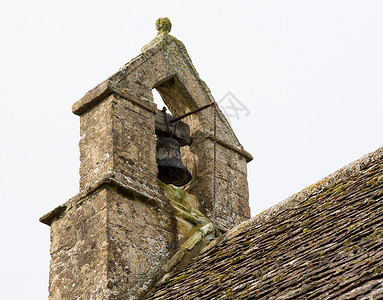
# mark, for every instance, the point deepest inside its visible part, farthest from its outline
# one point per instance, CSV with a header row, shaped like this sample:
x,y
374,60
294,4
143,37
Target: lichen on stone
x,y
163,25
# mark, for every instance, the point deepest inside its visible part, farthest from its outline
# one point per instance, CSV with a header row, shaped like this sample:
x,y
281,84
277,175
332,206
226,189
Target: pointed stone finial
x,y
163,25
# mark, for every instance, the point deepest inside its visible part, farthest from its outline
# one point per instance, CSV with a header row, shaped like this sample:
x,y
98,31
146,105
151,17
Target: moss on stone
x,y
179,278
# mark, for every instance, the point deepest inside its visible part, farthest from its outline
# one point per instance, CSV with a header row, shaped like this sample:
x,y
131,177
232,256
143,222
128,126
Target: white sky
x,y
309,72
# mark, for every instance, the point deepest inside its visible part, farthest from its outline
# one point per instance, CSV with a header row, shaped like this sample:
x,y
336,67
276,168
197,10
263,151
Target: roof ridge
x,y
327,182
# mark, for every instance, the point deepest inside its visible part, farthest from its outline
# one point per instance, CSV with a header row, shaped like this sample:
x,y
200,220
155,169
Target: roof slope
x,y
322,243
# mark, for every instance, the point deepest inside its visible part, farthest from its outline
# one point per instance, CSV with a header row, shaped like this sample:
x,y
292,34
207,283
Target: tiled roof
x,y
325,242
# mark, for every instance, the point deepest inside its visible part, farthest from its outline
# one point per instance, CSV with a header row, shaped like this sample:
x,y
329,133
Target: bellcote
x,y
124,144
126,229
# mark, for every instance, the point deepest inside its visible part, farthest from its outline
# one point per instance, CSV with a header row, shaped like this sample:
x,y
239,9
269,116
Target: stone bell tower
x,y
126,229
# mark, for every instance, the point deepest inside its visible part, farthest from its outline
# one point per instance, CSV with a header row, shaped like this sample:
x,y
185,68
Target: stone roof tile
x,y
324,242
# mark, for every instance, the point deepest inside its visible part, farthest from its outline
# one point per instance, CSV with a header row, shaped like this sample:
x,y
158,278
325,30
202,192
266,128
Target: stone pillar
x,y
117,137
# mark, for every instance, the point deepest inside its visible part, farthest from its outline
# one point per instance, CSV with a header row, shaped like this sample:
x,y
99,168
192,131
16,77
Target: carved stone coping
x,y
113,179
49,217
225,144
105,89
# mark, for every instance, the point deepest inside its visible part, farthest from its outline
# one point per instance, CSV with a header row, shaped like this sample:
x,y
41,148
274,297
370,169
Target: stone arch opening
x,y
175,96
158,100
172,95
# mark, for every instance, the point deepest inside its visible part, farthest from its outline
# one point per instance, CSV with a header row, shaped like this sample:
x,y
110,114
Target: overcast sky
x,y
308,73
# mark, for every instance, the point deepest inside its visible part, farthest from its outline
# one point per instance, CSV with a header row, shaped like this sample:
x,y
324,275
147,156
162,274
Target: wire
x,y
215,163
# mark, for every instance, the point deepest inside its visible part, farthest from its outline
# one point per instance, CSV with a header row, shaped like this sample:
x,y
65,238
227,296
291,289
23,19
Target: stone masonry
x,y
123,231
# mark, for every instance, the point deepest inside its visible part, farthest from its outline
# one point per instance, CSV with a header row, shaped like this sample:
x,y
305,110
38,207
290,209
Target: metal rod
x,y
215,167
191,112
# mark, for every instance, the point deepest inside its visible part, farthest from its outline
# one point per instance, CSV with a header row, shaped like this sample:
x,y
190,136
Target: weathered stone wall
x,y
109,245
96,143
141,239
118,136
134,143
79,250
231,206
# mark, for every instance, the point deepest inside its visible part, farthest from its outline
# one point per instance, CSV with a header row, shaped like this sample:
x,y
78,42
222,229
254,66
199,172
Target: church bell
x,y
170,167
